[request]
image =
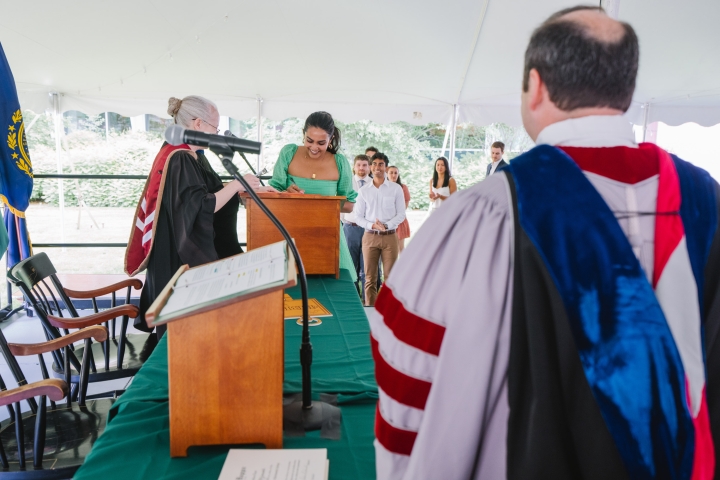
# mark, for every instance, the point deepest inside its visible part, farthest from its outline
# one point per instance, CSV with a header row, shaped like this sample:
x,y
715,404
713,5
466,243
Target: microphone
x,y
177,135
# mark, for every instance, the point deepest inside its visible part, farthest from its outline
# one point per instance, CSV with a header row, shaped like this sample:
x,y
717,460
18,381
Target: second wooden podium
x,y
226,349
312,220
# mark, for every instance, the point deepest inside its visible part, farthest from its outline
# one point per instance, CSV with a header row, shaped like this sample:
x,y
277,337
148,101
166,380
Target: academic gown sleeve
x,y
190,208
441,341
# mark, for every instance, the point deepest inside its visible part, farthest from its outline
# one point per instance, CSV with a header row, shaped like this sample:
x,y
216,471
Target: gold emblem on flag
x,y
18,143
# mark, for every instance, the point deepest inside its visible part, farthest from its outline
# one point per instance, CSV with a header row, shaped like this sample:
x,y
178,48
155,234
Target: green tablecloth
x,y
135,443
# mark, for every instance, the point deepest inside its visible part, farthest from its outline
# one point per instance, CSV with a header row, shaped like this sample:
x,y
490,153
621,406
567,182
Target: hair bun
x,y
174,106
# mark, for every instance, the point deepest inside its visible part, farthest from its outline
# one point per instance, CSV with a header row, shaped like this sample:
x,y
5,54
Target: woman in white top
x,y
440,190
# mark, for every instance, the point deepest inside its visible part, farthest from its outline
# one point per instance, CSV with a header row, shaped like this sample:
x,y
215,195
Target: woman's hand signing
x,y
294,189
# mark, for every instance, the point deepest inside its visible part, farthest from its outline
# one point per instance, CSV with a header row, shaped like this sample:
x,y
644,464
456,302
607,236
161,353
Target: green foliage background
x,y
88,149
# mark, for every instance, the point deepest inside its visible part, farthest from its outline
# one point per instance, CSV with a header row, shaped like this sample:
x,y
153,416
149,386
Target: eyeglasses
x,y
217,130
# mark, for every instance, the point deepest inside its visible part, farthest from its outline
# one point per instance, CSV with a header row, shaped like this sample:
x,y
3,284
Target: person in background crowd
x,y
442,184
379,210
317,168
353,231
179,227
560,319
403,230
496,152
370,151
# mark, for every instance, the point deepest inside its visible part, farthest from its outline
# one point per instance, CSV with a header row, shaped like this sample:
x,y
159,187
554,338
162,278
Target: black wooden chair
x,y
58,437
119,356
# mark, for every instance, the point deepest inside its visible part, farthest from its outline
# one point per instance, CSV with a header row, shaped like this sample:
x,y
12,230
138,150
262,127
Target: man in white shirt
x,y
380,208
354,232
496,152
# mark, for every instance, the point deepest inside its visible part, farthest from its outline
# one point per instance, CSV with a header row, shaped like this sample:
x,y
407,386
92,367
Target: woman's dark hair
x,y
446,180
399,182
325,121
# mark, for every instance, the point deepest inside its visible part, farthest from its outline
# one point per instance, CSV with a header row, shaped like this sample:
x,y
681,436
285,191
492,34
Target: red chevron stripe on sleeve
x,y
407,327
404,390
395,440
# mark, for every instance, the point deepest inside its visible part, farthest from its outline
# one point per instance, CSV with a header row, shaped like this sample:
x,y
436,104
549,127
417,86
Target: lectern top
x,y
293,196
216,284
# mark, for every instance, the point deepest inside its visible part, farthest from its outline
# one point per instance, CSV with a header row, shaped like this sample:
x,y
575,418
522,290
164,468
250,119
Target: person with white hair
x,y
185,214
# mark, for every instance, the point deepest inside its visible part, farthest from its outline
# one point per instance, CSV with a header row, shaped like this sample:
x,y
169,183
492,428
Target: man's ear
x,y
537,91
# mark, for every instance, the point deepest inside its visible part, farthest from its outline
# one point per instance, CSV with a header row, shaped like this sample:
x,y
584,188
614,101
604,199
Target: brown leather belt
x,y
378,232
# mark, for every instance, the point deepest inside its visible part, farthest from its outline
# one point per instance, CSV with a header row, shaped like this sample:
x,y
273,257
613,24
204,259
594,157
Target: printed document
x,y
291,464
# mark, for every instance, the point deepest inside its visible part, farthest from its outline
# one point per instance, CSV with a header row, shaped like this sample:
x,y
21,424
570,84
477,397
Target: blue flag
x,y
16,174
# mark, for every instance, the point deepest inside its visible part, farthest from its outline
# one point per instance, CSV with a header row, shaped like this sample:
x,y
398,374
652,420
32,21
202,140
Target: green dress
x,y
281,180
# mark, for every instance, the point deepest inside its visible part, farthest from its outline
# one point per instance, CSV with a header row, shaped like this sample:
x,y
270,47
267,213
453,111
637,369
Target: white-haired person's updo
x,y
189,108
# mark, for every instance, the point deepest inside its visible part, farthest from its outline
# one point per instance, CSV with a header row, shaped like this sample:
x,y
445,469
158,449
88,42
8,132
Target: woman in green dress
x,y
317,168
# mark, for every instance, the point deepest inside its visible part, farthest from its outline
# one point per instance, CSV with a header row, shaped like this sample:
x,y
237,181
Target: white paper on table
x,y
293,464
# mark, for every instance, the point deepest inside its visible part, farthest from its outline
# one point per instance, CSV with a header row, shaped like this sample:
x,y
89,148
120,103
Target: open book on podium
x,y
214,285
226,349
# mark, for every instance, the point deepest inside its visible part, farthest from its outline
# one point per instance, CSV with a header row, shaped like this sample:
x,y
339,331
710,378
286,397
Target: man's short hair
x,y
371,149
499,145
361,158
380,156
580,70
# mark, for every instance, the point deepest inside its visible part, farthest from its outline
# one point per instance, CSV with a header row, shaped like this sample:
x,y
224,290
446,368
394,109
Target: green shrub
x,y
88,153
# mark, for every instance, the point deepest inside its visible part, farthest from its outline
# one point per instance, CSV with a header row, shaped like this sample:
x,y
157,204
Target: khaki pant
x,y
375,247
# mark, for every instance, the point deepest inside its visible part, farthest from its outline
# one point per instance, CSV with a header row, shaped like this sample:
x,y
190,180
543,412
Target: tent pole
x,y
259,129
57,116
646,107
445,140
611,7
453,128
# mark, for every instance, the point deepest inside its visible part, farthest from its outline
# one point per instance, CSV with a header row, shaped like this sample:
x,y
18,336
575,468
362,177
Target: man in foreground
x,y
558,320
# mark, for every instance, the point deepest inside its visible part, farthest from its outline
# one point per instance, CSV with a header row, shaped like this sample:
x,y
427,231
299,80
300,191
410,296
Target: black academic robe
x,y
184,232
225,220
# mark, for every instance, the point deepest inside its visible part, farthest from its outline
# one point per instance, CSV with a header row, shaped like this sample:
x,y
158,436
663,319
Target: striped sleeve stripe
x,y
403,388
400,356
389,464
399,415
393,439
408,327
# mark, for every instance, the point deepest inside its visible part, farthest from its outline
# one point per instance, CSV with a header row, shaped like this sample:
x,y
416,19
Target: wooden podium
x,y
313,221
225,369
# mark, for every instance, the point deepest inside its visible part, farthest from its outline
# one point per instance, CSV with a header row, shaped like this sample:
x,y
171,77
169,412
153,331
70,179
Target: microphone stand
x,y
305,414
228,133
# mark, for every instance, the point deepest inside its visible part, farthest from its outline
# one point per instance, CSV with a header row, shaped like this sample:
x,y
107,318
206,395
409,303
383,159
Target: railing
x,y
6,311
73,176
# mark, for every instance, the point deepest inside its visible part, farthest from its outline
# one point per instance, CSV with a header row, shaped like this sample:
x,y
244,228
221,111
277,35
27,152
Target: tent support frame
x,y
453,130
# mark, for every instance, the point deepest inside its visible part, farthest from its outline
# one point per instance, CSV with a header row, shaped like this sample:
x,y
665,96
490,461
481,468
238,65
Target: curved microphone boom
x,y
177,135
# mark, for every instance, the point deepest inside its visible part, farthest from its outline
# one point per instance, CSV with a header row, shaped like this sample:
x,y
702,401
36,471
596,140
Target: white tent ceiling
x,y
382,60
